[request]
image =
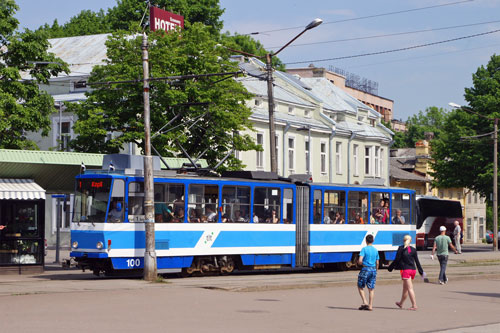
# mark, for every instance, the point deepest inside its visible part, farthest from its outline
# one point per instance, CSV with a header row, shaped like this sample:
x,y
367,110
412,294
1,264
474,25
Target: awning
x,y
20,189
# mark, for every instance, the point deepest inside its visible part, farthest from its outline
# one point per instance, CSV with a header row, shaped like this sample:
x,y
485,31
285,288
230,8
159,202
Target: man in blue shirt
x,y
369,258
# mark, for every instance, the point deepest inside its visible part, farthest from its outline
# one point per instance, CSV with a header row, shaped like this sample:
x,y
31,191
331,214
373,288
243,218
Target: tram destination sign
x,y
160,19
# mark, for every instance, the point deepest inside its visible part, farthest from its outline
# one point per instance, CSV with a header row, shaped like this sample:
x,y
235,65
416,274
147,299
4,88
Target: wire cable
x,y
367,17
395,50
389,35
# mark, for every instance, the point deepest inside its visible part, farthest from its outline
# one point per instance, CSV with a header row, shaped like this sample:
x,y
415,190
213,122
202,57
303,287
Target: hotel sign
x,y
160,19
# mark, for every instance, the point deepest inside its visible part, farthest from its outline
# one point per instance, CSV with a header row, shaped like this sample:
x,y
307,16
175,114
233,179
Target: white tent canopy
x,y
20,189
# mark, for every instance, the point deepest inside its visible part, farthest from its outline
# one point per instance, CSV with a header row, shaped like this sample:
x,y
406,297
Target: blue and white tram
x,y
218,224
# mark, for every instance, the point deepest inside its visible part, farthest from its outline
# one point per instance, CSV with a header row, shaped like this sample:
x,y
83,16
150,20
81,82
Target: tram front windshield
x,y
91,200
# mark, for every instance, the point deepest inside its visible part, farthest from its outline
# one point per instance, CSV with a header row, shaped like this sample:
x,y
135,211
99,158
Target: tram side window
x,y
136,202
379,209
334,207
266,205
287,206
235,204
116,206
169,202
317,207
203,203
401,208
357,207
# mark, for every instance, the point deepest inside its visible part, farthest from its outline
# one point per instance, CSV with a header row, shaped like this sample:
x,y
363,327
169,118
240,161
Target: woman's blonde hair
x,y
407,241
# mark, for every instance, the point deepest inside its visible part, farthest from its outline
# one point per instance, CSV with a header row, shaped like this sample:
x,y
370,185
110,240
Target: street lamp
x,y
495,170
270,97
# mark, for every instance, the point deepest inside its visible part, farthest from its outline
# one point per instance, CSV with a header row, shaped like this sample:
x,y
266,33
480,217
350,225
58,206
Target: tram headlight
x,y
99,245
74,245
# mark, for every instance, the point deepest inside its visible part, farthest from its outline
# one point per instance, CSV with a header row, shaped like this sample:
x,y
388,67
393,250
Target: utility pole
x,y
150,272
270,101
495,187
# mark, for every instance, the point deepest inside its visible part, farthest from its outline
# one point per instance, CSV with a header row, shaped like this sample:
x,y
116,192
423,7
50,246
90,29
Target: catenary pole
x,y
270,101
495,187
150,271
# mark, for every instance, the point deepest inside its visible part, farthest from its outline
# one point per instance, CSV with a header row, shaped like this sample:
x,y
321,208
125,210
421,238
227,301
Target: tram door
x,y
302,225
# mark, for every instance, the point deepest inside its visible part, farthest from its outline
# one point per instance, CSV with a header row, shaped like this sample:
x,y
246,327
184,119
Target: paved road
x,y
72,301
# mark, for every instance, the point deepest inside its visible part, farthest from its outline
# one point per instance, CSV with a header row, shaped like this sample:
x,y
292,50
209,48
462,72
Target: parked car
x,y
489,236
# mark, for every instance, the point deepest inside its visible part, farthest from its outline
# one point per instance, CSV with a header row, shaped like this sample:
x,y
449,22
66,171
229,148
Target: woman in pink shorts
x,y
407,261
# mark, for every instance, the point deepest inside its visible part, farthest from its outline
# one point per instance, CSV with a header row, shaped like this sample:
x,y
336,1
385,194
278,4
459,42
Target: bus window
x,y
91,200
266,205
334,207
116,206
169,202
136,202
288,205
401,208
357,207
203,203
317,207
235,204
379,208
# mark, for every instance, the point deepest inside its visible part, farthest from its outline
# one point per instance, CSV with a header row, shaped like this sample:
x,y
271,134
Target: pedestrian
x,y
407,262
457,234
369,258
441,243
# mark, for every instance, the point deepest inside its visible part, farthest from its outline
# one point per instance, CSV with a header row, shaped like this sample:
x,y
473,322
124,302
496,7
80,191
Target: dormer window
x,y
372,122
307,113
290,110
80,85
258,102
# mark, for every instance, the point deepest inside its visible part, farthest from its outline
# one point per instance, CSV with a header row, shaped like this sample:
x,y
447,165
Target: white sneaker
x,y
445,282
441,282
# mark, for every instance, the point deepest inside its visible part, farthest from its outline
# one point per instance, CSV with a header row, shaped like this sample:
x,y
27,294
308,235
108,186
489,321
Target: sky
x,y
414,79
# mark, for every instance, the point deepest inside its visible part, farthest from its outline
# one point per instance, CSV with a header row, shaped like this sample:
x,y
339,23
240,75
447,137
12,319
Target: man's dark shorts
x,y
367,277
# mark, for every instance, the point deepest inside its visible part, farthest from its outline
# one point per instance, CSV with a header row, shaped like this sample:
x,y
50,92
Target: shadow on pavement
x,y
479,294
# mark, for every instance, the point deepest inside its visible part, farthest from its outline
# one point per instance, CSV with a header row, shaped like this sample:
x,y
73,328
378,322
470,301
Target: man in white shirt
x,y
457,235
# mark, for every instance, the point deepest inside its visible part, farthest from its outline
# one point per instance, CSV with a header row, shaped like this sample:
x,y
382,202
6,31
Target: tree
x,y
468,162
430,120
23,106
119,107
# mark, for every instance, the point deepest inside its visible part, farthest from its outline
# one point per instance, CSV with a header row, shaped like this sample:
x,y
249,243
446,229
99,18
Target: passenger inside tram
x,y
179,217
273,217
339,219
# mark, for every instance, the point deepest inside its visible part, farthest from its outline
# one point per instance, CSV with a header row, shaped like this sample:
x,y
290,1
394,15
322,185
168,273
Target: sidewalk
x,y
481,264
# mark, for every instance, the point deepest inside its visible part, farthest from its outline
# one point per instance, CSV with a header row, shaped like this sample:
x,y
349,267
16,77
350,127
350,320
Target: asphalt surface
x,y
68,300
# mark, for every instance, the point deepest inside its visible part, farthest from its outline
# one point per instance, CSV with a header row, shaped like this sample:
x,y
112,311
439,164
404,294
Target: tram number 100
x,y
131,263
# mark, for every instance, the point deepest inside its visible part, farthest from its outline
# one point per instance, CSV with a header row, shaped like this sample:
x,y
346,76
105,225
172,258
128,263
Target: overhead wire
x,y
395,50
367,17
389,35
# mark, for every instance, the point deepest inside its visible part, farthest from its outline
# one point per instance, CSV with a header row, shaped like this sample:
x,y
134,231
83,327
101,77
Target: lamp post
x,y
270,97
495,170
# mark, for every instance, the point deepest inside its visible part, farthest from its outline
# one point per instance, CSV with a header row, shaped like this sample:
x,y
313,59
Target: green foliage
x,y
469,162
127,15
23,107
430,120
119,107
247,44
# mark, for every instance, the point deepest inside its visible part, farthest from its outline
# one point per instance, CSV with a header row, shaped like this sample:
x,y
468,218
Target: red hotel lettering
x,y
162,20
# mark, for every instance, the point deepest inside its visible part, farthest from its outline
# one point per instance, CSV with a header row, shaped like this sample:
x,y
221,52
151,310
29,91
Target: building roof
x,y
81,53
331,97
398,173
20,189
55,171
293,120
321,86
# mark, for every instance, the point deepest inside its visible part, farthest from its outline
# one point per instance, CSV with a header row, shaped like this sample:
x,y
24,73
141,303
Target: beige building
x,y
382,105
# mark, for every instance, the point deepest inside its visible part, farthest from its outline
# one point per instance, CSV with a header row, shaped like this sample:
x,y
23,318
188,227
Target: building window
x,y
260,154
459,195
372,122
338,157
307,113
290,110
277,140
62,134
291,153
355,151
377,162
475,198
307,155
368,158
258,102
469,198
323,157
441,194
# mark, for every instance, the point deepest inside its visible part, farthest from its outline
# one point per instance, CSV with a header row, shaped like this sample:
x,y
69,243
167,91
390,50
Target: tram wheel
x,y
345,266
